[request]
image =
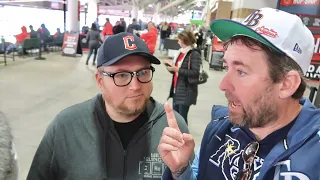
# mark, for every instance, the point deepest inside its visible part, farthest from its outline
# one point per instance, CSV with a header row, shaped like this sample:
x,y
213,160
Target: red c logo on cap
x,y
128,43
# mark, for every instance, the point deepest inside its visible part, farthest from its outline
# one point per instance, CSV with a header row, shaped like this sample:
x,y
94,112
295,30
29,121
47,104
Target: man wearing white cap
x,y
268,131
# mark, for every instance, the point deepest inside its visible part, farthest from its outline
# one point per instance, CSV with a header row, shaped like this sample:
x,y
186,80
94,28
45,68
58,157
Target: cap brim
x,y
225,29
150,57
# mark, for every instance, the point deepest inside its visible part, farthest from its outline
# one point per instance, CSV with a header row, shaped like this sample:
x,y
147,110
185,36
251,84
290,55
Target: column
x,y
135,9
140,15
242,8
92,12
73,15
156,15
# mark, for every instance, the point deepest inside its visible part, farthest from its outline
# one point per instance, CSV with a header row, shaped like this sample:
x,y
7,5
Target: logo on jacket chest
x,y
152,166
228,158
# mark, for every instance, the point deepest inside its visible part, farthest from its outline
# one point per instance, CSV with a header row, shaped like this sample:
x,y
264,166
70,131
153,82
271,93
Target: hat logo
x,y
129,43
253,19
297,48
267,32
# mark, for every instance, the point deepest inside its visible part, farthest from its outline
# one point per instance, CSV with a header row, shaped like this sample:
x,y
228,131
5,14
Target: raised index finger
x,y
172,122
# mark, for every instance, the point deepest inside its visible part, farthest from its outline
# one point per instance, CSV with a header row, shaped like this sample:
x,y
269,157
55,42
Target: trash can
x,y
216,61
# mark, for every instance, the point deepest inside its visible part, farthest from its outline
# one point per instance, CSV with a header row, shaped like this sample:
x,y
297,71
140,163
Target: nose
x,y
134,84
226,83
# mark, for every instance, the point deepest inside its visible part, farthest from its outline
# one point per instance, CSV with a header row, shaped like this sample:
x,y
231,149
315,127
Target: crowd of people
x,y
42,33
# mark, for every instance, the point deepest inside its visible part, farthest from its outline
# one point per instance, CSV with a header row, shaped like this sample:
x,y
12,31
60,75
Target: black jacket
x,y
186,93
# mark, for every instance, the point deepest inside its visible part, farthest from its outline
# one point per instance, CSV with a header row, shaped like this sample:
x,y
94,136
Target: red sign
x,y
316,55
79,7
299,2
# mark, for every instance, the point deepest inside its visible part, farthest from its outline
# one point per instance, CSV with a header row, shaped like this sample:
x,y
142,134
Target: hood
x,y
24,29
6,154
307,123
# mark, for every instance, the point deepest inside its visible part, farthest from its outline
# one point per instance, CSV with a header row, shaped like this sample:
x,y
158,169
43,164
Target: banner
x,y
299,2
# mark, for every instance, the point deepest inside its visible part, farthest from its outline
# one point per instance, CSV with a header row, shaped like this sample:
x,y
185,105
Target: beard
x,y
261,111
128,109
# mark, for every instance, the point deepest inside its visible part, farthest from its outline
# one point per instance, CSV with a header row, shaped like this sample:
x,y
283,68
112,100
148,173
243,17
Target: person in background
x,y
9,169
117,28
123,25
44,36
94,40
133,27
199,38
164,33
183,92
142,25
268,131
96,22
151,37
20,38
33,33
58,33
107,29
115,134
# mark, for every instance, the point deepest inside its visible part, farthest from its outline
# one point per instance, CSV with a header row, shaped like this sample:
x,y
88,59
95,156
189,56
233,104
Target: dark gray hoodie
x,y
8,161
72,145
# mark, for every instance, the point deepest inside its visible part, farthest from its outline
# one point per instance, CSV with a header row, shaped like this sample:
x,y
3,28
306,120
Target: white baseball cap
x,y
279,30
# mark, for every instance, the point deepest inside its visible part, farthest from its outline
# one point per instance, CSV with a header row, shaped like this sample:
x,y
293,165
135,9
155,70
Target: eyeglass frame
x,y
133,73
246,173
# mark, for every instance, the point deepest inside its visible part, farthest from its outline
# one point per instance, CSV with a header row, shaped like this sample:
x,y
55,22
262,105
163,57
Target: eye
x,y
122,75
241,73
143,72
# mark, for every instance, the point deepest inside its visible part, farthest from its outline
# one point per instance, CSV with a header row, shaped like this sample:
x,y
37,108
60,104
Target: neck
x,y
118,117
287,113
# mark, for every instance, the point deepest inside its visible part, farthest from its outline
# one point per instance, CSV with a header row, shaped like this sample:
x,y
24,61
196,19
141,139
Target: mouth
x,y
234,105
136,96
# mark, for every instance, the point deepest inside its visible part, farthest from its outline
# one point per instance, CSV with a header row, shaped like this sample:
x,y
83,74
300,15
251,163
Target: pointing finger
x,y
172,122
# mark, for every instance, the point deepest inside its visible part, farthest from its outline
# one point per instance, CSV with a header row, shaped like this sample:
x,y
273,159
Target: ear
x,y
98,80
290,84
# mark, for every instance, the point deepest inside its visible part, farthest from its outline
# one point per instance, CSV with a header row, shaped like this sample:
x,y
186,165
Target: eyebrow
x,y
237,63
124,70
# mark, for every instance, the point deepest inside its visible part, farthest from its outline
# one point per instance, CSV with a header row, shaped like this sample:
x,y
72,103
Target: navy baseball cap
x,y
118,46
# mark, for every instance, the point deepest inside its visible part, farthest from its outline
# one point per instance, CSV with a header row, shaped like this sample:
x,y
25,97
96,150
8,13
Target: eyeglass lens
x,y
124,78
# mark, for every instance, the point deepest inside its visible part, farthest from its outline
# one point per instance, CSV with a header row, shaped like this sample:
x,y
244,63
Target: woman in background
x,y
185,69
94,40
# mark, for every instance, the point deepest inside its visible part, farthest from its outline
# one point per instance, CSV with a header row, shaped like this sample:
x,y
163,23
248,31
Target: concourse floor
x,y
32,92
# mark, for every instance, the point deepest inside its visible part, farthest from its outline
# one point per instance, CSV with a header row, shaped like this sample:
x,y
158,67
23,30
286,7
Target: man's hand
x,y
175,148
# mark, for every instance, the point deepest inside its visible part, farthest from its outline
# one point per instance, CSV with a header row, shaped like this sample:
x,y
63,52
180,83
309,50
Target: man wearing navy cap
x,y
114,135
268,131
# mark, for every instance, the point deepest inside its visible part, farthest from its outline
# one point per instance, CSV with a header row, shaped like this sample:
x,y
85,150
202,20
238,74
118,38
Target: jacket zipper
x,y
124,164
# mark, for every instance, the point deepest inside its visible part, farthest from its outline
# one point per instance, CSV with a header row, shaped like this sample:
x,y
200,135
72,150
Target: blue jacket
x,y
300,161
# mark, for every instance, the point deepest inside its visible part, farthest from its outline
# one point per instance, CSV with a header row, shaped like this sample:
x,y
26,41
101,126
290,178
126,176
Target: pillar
x,y
135,9
92,12
242,8
140,15
156,16
73,15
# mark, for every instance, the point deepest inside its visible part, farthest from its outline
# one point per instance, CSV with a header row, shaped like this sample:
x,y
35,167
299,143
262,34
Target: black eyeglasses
x,y
124,78
248,155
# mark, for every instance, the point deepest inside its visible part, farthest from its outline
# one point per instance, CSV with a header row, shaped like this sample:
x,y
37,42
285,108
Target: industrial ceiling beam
x,y
122,7
174,3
